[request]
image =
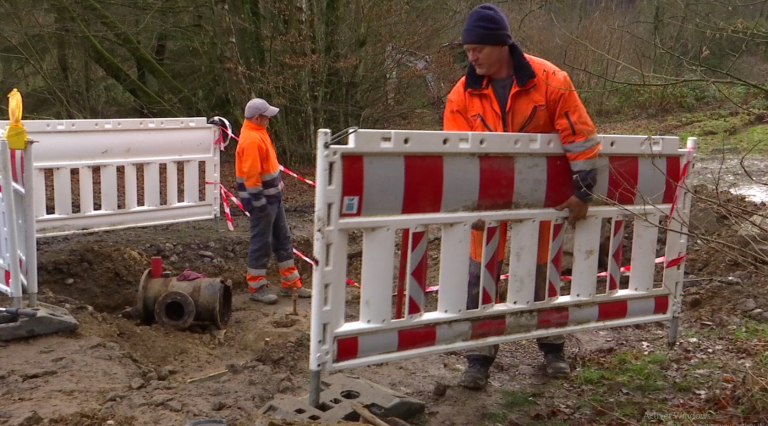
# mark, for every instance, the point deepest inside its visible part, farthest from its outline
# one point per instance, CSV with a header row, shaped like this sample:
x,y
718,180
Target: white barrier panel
x,y
384,181
18,247
95,171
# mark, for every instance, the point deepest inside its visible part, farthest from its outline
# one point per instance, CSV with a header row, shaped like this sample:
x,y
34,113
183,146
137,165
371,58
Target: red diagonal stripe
x,y
415,338
346,349
423,184
612,310
497,182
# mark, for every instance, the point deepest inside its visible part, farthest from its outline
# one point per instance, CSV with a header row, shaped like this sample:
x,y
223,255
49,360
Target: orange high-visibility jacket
x,y
256,167
542,100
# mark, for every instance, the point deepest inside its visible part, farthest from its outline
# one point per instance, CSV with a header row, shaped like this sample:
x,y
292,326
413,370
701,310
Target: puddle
x,y
754,193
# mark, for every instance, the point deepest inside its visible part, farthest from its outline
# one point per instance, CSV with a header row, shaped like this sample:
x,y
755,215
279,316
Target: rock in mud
x,y
174,406
137,384
115,396
151,377
206,254
730,280
163,374
746,305
69,281
127,313
160,400
695,302
217,406
756,314
440,389
33,419
37,374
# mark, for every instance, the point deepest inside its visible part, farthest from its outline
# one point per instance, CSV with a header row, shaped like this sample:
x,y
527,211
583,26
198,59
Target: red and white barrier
x,y
383,181
18,246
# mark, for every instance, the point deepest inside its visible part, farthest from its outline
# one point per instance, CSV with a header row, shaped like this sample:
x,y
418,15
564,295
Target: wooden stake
x,y
208,377
295,301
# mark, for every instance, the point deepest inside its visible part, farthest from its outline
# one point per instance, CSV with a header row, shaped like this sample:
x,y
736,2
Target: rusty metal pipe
x,y
175,309
212,299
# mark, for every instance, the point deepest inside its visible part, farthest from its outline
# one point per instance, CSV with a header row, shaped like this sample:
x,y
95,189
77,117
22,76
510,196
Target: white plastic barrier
x,y
107,159
18,247
384,181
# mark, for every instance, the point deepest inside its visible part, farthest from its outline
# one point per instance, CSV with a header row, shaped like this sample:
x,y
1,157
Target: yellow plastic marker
x,y
15,133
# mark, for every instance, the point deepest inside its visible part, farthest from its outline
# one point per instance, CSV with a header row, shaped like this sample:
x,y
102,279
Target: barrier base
x,y
338,394
49,320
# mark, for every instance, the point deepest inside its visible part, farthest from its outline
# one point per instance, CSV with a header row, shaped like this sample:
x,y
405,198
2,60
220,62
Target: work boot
x,y
264,296
303,292
476,375
557,365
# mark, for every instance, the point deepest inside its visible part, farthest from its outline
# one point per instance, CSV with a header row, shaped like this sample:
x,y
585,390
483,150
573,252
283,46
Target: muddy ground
x,y
115,371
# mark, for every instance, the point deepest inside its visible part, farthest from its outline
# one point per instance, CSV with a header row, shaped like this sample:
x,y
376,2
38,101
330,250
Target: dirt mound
x,y
91,418
105,277
105,274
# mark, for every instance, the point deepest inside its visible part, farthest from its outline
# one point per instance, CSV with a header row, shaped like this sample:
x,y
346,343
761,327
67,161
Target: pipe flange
x,y
145,314
175,309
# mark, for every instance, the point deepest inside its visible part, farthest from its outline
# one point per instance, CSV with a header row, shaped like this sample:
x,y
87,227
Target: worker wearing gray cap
x,y
261,192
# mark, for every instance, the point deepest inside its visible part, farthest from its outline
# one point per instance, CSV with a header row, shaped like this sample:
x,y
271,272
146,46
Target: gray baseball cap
x,y
258,106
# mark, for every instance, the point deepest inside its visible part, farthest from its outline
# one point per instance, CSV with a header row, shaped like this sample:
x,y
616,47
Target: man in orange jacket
x,y
506,90
261,192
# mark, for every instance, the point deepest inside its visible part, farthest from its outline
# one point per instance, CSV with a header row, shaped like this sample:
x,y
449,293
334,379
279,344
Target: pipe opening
x,y
174,310
225,311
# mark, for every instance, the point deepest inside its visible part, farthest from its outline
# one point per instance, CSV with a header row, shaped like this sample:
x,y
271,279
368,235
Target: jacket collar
x,y
252,126
521,68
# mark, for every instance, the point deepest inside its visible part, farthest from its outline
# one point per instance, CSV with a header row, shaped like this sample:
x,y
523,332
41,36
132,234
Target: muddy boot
x,y
476,375
303,292
264,296
557,365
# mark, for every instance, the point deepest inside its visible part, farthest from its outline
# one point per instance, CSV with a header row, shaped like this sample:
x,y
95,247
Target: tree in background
x,y
368,63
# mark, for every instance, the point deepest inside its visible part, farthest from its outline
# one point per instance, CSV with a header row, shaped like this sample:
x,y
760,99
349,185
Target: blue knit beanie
x,y
487,25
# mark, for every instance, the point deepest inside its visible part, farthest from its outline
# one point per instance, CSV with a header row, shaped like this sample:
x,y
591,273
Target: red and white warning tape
x,y
671,264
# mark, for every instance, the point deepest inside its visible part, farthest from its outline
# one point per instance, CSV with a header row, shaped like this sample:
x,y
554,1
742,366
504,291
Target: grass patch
x,y
732,134
751,330
634,371
763,359
494,417
514,399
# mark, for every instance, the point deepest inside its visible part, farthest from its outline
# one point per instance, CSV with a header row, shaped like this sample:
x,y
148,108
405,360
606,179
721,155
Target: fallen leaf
x,y
728,378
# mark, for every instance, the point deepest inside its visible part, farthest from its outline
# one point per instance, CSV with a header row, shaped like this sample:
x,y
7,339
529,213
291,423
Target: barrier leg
x,y
13,235
29,220
314,388
674,325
